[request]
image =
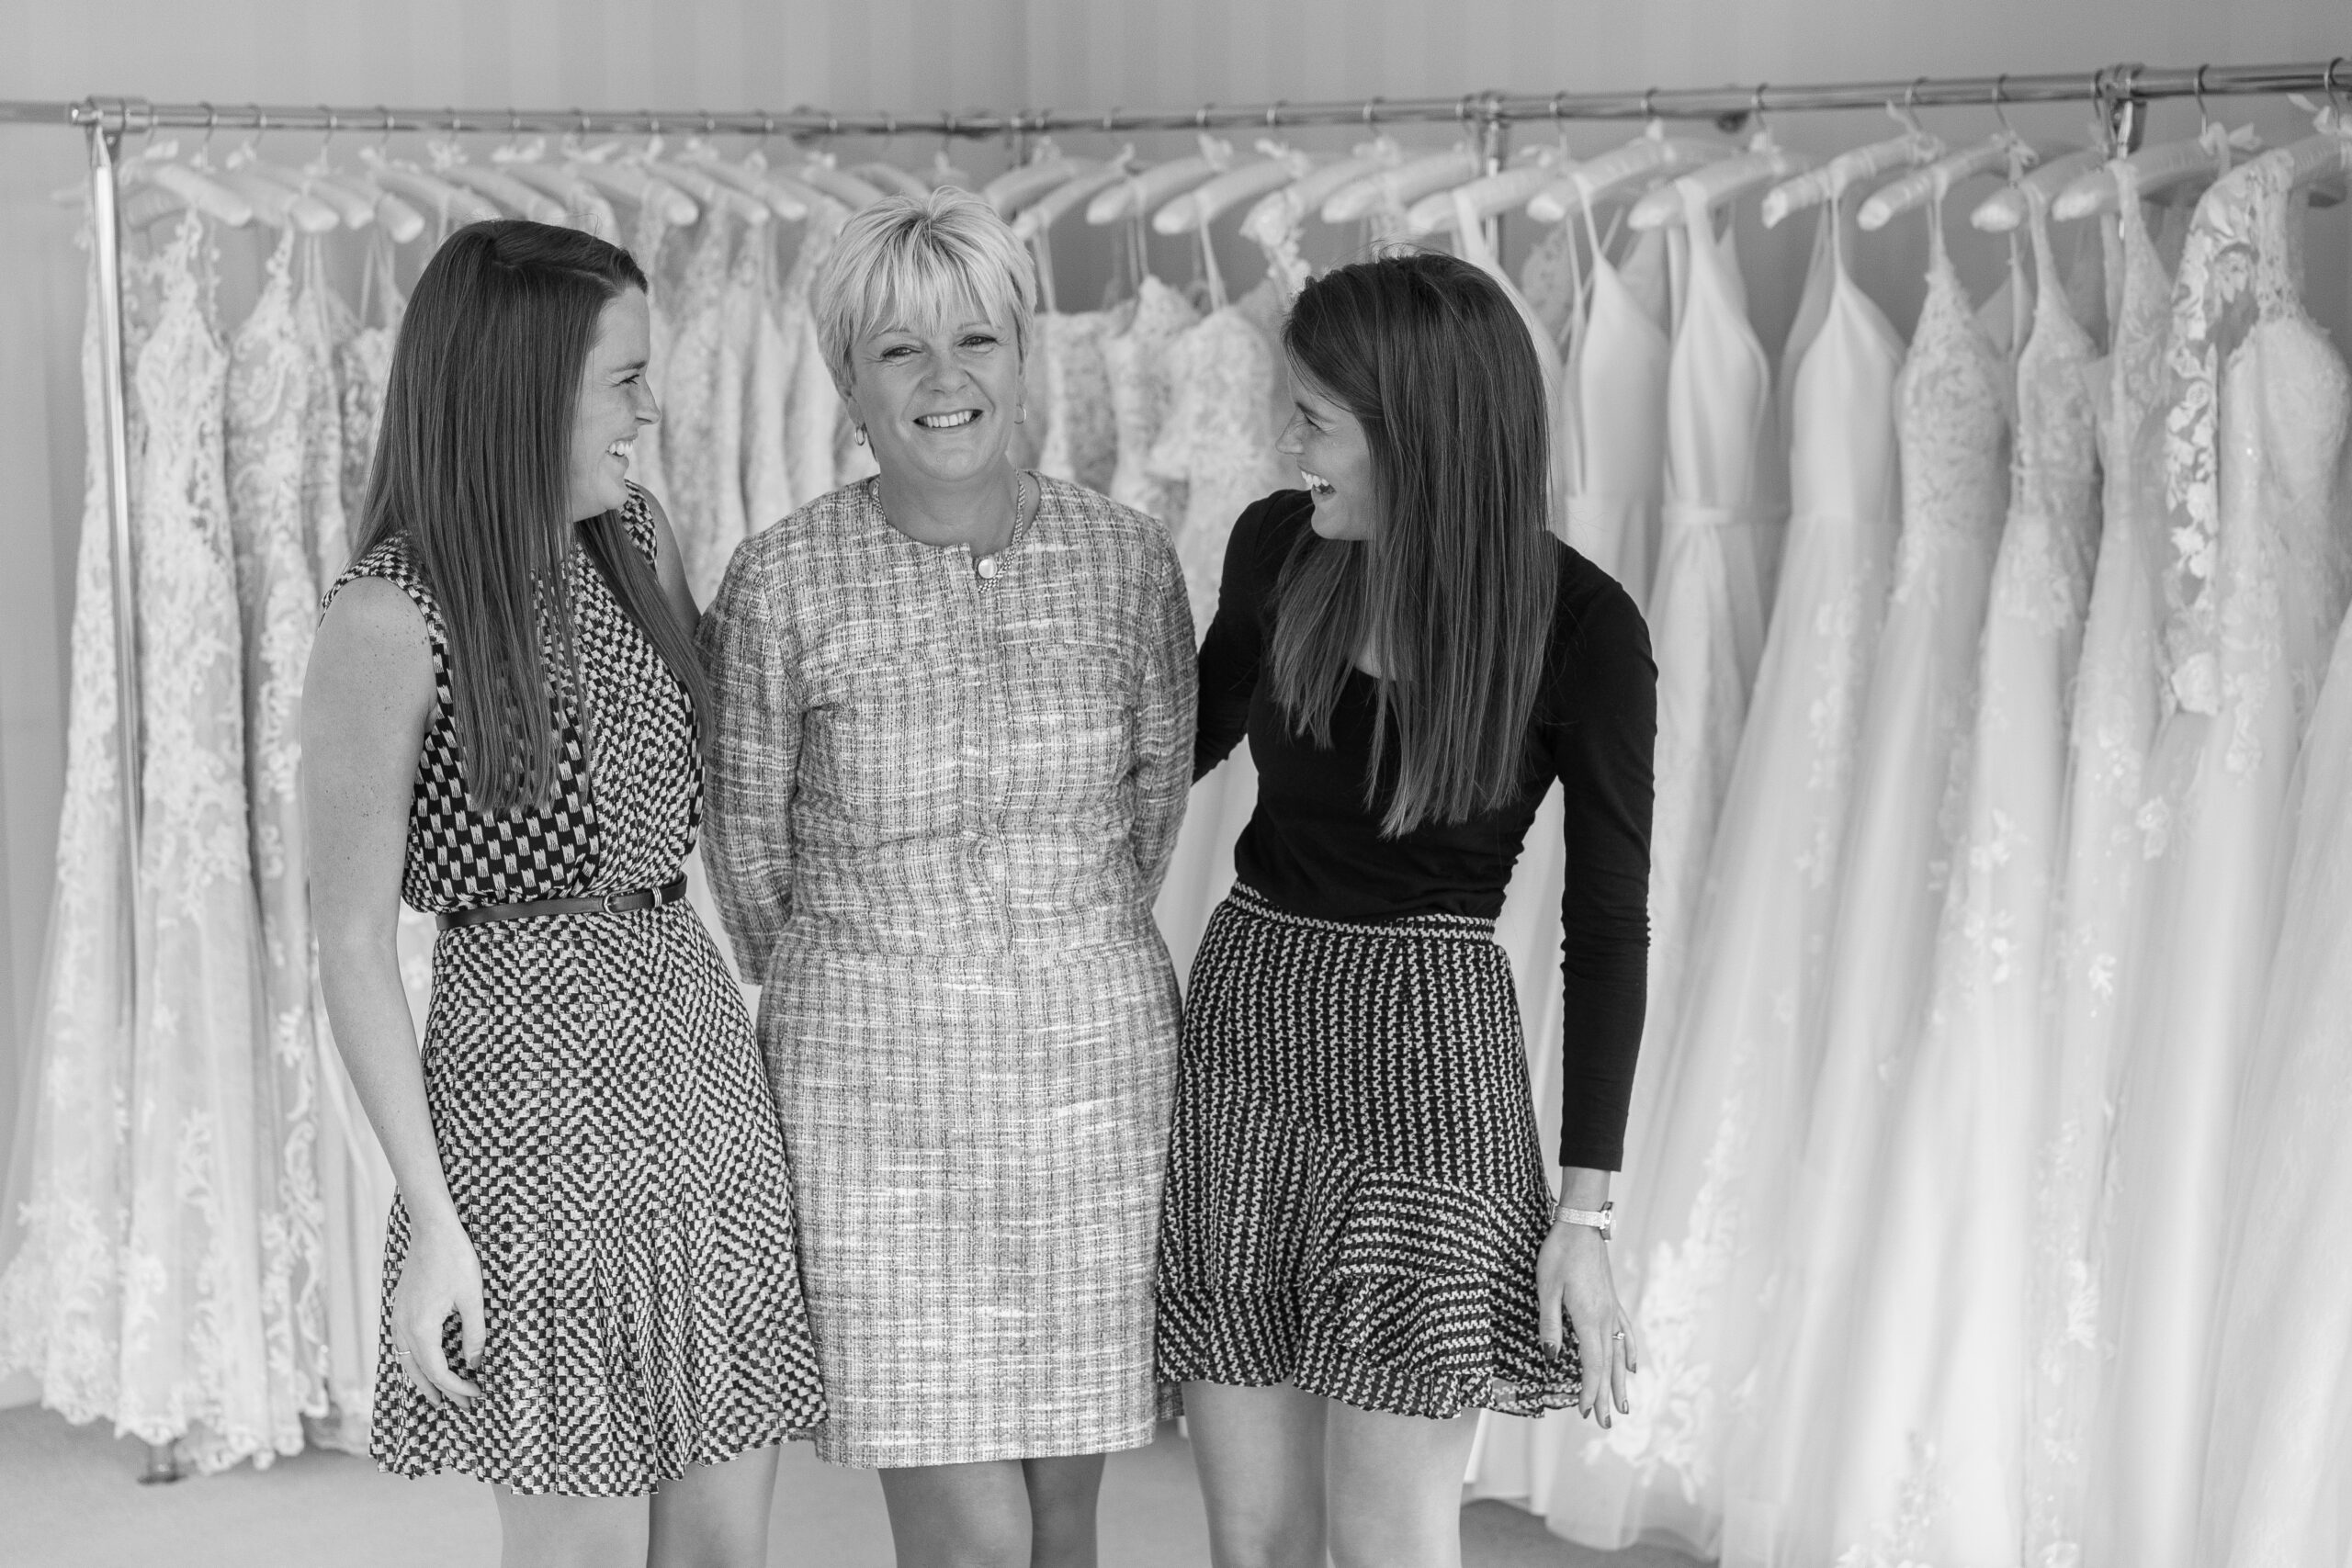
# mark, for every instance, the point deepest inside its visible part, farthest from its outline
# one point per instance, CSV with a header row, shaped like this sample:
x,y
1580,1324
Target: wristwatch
x,y
1597,1219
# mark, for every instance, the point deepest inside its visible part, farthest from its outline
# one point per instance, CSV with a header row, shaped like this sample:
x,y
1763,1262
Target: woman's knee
x,y
958,1516
1062,1495
550,1532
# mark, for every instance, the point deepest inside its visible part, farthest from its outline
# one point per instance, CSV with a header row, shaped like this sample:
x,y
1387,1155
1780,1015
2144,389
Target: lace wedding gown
x,y
1081,427
704,443
1932,1431
1950,405
2281,1442
768,380
2117,704
1141,390
2256,502
284,461
1214,447
61,1227
813,413
138,1294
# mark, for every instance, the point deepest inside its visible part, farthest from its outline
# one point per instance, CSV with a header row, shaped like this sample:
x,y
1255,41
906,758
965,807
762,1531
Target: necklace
x,y
983,566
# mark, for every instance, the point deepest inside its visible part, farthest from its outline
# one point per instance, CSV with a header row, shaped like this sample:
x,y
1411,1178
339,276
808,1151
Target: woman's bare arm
x,y
365,703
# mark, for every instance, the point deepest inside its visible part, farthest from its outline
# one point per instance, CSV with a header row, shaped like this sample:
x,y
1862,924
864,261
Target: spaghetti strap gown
x,y
597,1101
1613,397
1717,1172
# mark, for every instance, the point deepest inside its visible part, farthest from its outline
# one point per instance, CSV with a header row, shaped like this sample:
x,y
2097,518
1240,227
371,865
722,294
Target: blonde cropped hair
x,y
912,262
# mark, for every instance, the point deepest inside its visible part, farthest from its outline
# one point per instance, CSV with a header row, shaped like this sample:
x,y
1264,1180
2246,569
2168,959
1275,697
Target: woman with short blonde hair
x,y
953,731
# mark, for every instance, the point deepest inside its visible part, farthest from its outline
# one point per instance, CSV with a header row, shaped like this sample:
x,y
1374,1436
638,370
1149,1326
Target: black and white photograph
x,y
1176,784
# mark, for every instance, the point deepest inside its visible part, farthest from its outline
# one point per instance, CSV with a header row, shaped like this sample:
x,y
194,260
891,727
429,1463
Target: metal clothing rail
x,y
2119,93
2114,87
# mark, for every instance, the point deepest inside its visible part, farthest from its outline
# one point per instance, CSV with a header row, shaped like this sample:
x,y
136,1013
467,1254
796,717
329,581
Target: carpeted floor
x,y
70,1498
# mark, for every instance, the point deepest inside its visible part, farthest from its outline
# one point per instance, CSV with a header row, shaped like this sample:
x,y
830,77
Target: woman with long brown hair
x,y
1359,1249
591,1287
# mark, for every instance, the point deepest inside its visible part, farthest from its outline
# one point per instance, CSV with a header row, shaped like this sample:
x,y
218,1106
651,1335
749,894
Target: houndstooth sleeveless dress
x,y
599,1107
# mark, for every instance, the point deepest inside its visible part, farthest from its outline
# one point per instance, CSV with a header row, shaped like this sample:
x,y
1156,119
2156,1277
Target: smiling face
x,y
938,401
614,403
1333,455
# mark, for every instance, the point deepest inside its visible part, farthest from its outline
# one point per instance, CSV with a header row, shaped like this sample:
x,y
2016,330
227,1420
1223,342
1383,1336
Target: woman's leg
x,y
716,1515
959,1516
548,1531
1261,1456
1395,1484
1062,1492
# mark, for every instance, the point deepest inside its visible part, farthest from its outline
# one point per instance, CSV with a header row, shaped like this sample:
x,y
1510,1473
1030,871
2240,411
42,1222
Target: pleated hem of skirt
x,y
833,1448
1335,1365
523,1480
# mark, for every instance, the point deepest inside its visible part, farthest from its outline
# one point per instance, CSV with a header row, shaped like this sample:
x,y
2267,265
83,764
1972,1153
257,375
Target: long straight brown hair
x,y
473,465
1454,591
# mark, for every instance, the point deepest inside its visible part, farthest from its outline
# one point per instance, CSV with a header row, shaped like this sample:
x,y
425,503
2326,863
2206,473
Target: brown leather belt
x,y
607,904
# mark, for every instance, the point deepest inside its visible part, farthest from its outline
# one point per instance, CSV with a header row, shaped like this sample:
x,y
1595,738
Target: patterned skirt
x,y
978,1144
1355,1192
615,1156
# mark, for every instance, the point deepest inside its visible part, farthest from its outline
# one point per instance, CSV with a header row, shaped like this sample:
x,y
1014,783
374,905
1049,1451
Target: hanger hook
x,y
1649,103
2327,84
1756,109
2000,99
384,141
2197,90
1371,109
1275,114
1201,116
328,139
252,132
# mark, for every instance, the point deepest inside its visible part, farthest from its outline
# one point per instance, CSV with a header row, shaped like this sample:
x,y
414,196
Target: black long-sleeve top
x,y
1313,846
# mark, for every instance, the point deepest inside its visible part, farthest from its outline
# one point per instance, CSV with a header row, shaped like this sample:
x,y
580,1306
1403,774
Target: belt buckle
x,y
609,903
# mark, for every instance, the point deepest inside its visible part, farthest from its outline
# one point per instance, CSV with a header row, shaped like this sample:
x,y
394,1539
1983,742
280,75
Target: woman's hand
x,y
440,1275
1572,1277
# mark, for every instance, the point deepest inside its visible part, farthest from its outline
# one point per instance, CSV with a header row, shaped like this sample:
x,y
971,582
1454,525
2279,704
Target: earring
x,y
1021,414
859,435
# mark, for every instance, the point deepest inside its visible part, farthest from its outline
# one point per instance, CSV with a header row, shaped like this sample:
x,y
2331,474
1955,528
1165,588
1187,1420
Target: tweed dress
x,y
940,806
598,1109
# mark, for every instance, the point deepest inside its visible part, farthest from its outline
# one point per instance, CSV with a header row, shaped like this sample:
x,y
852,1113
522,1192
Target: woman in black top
x,y
1359,1247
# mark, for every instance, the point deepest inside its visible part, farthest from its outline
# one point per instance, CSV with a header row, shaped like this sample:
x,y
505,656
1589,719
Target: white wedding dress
x,y
1612,412
2256,502
2280,1439
1141,393
138,1293
1951,406
2118,701
1931,1432
1725,511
